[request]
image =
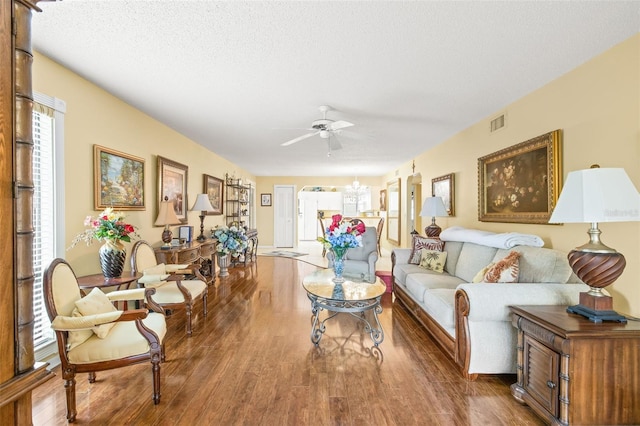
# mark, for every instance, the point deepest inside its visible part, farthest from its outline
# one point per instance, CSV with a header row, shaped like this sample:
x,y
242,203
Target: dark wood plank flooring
x,y
251,362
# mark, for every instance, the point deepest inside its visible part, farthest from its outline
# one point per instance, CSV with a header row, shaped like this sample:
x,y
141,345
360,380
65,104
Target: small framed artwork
x,y
118,180
444,186
185,233
265,199
172,184
383,200
212,186
521,183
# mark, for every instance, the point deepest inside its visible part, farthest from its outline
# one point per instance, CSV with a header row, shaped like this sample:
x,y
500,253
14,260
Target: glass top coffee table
x,y
352,296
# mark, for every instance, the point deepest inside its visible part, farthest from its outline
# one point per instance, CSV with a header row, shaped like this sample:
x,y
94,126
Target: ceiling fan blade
x,y
299,138
339,125
334,143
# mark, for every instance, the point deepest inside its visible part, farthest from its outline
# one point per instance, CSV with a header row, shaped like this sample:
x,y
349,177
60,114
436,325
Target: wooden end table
x,y
89,282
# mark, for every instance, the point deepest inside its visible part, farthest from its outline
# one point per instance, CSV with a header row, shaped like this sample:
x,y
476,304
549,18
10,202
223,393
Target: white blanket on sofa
x,y
505,240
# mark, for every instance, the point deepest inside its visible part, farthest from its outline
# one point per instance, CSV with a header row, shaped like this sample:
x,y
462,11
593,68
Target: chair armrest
x,y
122,295
192,269
63,323
490,302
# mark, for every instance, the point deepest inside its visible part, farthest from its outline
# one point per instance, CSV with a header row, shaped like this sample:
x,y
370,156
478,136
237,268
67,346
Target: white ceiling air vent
x,y
498,123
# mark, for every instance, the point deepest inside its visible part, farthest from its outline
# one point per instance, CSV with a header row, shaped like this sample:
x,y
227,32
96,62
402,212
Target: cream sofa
x,y
472,321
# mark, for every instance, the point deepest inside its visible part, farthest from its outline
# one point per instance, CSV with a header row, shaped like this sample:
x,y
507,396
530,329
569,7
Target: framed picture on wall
x,y
213,187
265,199
521,183
172,184
118,180
444,186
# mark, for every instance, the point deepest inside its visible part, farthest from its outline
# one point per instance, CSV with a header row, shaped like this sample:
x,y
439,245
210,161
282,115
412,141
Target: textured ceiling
x,y
240,78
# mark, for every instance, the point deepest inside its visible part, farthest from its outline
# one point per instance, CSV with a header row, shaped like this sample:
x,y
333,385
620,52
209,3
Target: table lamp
x,y
591,196
434,207
166,216
203,205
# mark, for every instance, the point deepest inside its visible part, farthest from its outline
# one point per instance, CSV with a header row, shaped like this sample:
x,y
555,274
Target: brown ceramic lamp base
x,y
597,270
432,231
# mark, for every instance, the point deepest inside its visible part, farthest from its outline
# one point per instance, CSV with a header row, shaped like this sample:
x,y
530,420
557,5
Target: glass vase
x,y
112,256
338,263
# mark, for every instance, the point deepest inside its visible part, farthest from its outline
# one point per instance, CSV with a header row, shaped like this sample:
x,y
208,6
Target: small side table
x,y
89,282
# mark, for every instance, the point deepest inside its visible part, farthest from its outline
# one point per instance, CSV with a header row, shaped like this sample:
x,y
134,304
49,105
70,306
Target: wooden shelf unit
x,y
572,371
238,202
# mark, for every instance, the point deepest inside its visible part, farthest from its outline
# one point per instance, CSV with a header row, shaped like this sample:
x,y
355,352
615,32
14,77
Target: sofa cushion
x,y
417,284
433,260
439,304
540,265
419,243
472,258
400,271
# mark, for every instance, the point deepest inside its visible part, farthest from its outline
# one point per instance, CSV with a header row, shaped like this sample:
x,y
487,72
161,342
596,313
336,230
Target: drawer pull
x,y
551,385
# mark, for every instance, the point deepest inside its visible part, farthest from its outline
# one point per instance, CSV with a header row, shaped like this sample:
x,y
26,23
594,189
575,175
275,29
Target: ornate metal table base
x,y
355,308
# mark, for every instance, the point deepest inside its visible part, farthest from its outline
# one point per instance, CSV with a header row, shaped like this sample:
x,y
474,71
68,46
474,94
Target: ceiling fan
x,y
323,127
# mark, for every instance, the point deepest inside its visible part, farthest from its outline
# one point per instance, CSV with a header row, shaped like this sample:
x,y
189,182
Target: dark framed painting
x,y
521,183
213,187
172,185
265,200
383,200
118,180
444,186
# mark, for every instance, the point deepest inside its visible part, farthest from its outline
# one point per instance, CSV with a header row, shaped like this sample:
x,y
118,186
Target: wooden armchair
x,y
379,233
104,340
172,290
324,249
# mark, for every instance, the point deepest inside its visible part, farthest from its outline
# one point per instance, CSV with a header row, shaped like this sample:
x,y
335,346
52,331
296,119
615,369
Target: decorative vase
x,y
338,263
112,256
223,262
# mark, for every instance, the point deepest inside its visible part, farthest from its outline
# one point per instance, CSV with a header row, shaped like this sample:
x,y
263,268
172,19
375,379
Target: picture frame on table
x,y
185,233
214,188
521,183
265,200
444,186
172,183
118,180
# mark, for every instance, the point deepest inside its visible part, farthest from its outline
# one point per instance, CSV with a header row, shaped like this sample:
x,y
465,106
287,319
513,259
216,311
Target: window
x,y
48,205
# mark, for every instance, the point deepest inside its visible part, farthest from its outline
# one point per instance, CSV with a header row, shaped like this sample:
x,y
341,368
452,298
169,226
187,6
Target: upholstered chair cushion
x,y
123,340
96,302
170,293
157,269
420,243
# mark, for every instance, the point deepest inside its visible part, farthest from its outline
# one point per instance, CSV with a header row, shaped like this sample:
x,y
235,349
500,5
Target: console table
x,y
202,253
573,371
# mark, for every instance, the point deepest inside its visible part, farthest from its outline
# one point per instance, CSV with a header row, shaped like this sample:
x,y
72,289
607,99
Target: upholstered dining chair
x,y
173,291
379,233
324,249
94,336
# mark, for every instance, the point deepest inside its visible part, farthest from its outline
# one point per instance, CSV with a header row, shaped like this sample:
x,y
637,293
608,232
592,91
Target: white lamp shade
x,y
433,207
167,215
597,195
202,204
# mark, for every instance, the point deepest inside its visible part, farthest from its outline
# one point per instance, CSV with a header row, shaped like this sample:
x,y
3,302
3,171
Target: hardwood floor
x,y
251,362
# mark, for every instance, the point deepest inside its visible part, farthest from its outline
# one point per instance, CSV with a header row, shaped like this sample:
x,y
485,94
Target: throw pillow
x,y
505,270
79,336
420,243
433,260
152,278
94,303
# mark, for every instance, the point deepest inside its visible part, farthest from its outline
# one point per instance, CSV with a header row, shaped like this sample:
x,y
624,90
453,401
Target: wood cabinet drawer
x,y
206,250
189,255
541,374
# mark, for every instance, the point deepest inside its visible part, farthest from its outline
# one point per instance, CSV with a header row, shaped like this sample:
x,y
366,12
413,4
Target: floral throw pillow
x,y
503,271
420,243
433,260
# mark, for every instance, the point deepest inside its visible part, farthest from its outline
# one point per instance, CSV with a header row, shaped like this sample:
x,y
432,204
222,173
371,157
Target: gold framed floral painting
x,y
521,183
118,180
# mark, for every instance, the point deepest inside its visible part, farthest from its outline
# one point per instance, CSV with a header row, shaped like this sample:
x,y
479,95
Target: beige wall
x,y
597,106
95,117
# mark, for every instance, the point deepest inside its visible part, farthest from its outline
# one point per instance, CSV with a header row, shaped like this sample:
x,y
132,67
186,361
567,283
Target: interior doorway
x,y
284,215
